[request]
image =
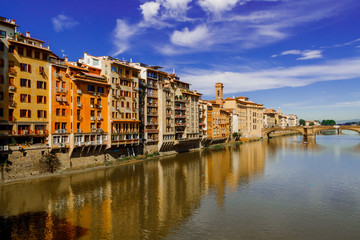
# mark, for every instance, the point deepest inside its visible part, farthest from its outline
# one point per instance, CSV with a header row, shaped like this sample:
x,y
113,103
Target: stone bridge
x,y
309,132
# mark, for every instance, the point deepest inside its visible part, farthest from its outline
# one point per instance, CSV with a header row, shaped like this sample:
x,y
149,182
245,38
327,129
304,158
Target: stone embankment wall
x,y
26,161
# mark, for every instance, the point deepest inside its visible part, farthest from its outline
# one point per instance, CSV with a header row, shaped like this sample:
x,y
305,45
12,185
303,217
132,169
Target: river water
x,y
272,189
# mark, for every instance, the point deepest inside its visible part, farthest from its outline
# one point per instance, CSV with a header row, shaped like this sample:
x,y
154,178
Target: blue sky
x,y
300,55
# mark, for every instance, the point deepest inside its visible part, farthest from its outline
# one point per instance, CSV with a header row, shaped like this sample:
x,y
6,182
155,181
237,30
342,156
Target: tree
x,y
328,122
302,122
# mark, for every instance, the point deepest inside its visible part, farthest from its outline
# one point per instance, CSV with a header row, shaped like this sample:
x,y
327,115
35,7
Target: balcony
x,y
59,75
183,108
152,85
180,124
12,71
64,90
152,104
24,132
98,106
152,123
79,130
60,145
152,114
12,119
79,91
180,116
152,95
152,130
12,104
58,89
99,118
12,88
92,118
79,105
79,118
41,131
63,130
79,144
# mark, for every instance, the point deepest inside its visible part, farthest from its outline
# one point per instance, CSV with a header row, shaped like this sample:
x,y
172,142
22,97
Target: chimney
x,y
12,21
131,60
66,59
27,34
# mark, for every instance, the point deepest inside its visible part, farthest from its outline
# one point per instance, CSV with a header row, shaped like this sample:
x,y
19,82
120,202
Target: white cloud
x,y
310,54
204,81
295,52
122,33
175,8
305,55
149,10
217,6
189,38
62,22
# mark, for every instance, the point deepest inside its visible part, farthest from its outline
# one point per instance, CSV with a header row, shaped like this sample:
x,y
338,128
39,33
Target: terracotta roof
x,y
38,40
29,45
73,66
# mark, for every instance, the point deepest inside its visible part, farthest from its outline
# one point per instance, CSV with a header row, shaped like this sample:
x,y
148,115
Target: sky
x,y
300,55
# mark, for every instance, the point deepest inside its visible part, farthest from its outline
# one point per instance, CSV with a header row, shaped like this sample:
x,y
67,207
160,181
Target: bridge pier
x,y
309,134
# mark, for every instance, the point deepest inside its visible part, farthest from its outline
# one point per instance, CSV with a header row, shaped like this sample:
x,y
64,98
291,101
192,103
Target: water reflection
x,y
148,200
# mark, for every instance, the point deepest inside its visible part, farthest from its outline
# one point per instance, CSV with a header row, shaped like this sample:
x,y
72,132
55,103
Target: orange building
x,y
90,106
60,104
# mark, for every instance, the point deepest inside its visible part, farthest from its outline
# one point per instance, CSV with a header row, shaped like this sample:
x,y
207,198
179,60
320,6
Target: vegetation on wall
x,y
50,162
5,164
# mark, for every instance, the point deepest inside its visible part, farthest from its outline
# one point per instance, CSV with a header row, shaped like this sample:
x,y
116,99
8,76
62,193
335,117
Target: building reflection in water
x,y
142,201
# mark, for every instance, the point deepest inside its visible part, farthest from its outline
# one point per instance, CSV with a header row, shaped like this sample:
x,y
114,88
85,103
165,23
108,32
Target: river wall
x,y
27,162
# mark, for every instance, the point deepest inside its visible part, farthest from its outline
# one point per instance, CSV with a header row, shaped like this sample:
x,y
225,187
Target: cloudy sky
x,y
300,55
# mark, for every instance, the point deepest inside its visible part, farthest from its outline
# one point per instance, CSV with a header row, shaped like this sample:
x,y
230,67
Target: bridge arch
x,y
266,131
341,127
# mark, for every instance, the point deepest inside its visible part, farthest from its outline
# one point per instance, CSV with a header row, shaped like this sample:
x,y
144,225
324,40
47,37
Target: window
x,y
2,46
11,48
37,54
120,71
45,56
113,69
95,62
58,112
41,70
25,113
63,112
1,96
92,102
1,62
25,98
41,99
91,88
1,112
1,79
41,114
100,89
2,34
21,51
25,82
28,52
23,67
41,85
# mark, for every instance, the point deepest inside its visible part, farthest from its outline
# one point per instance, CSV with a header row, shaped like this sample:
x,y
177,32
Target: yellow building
x,y
28,74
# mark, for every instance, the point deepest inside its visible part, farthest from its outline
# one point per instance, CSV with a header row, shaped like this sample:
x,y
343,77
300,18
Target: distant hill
x,y
347,121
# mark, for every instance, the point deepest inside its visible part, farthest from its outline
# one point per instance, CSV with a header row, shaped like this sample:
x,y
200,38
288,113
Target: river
x,y
272,189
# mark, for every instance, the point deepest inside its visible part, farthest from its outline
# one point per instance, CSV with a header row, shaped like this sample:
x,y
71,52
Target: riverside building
x,y
123,102
24,73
